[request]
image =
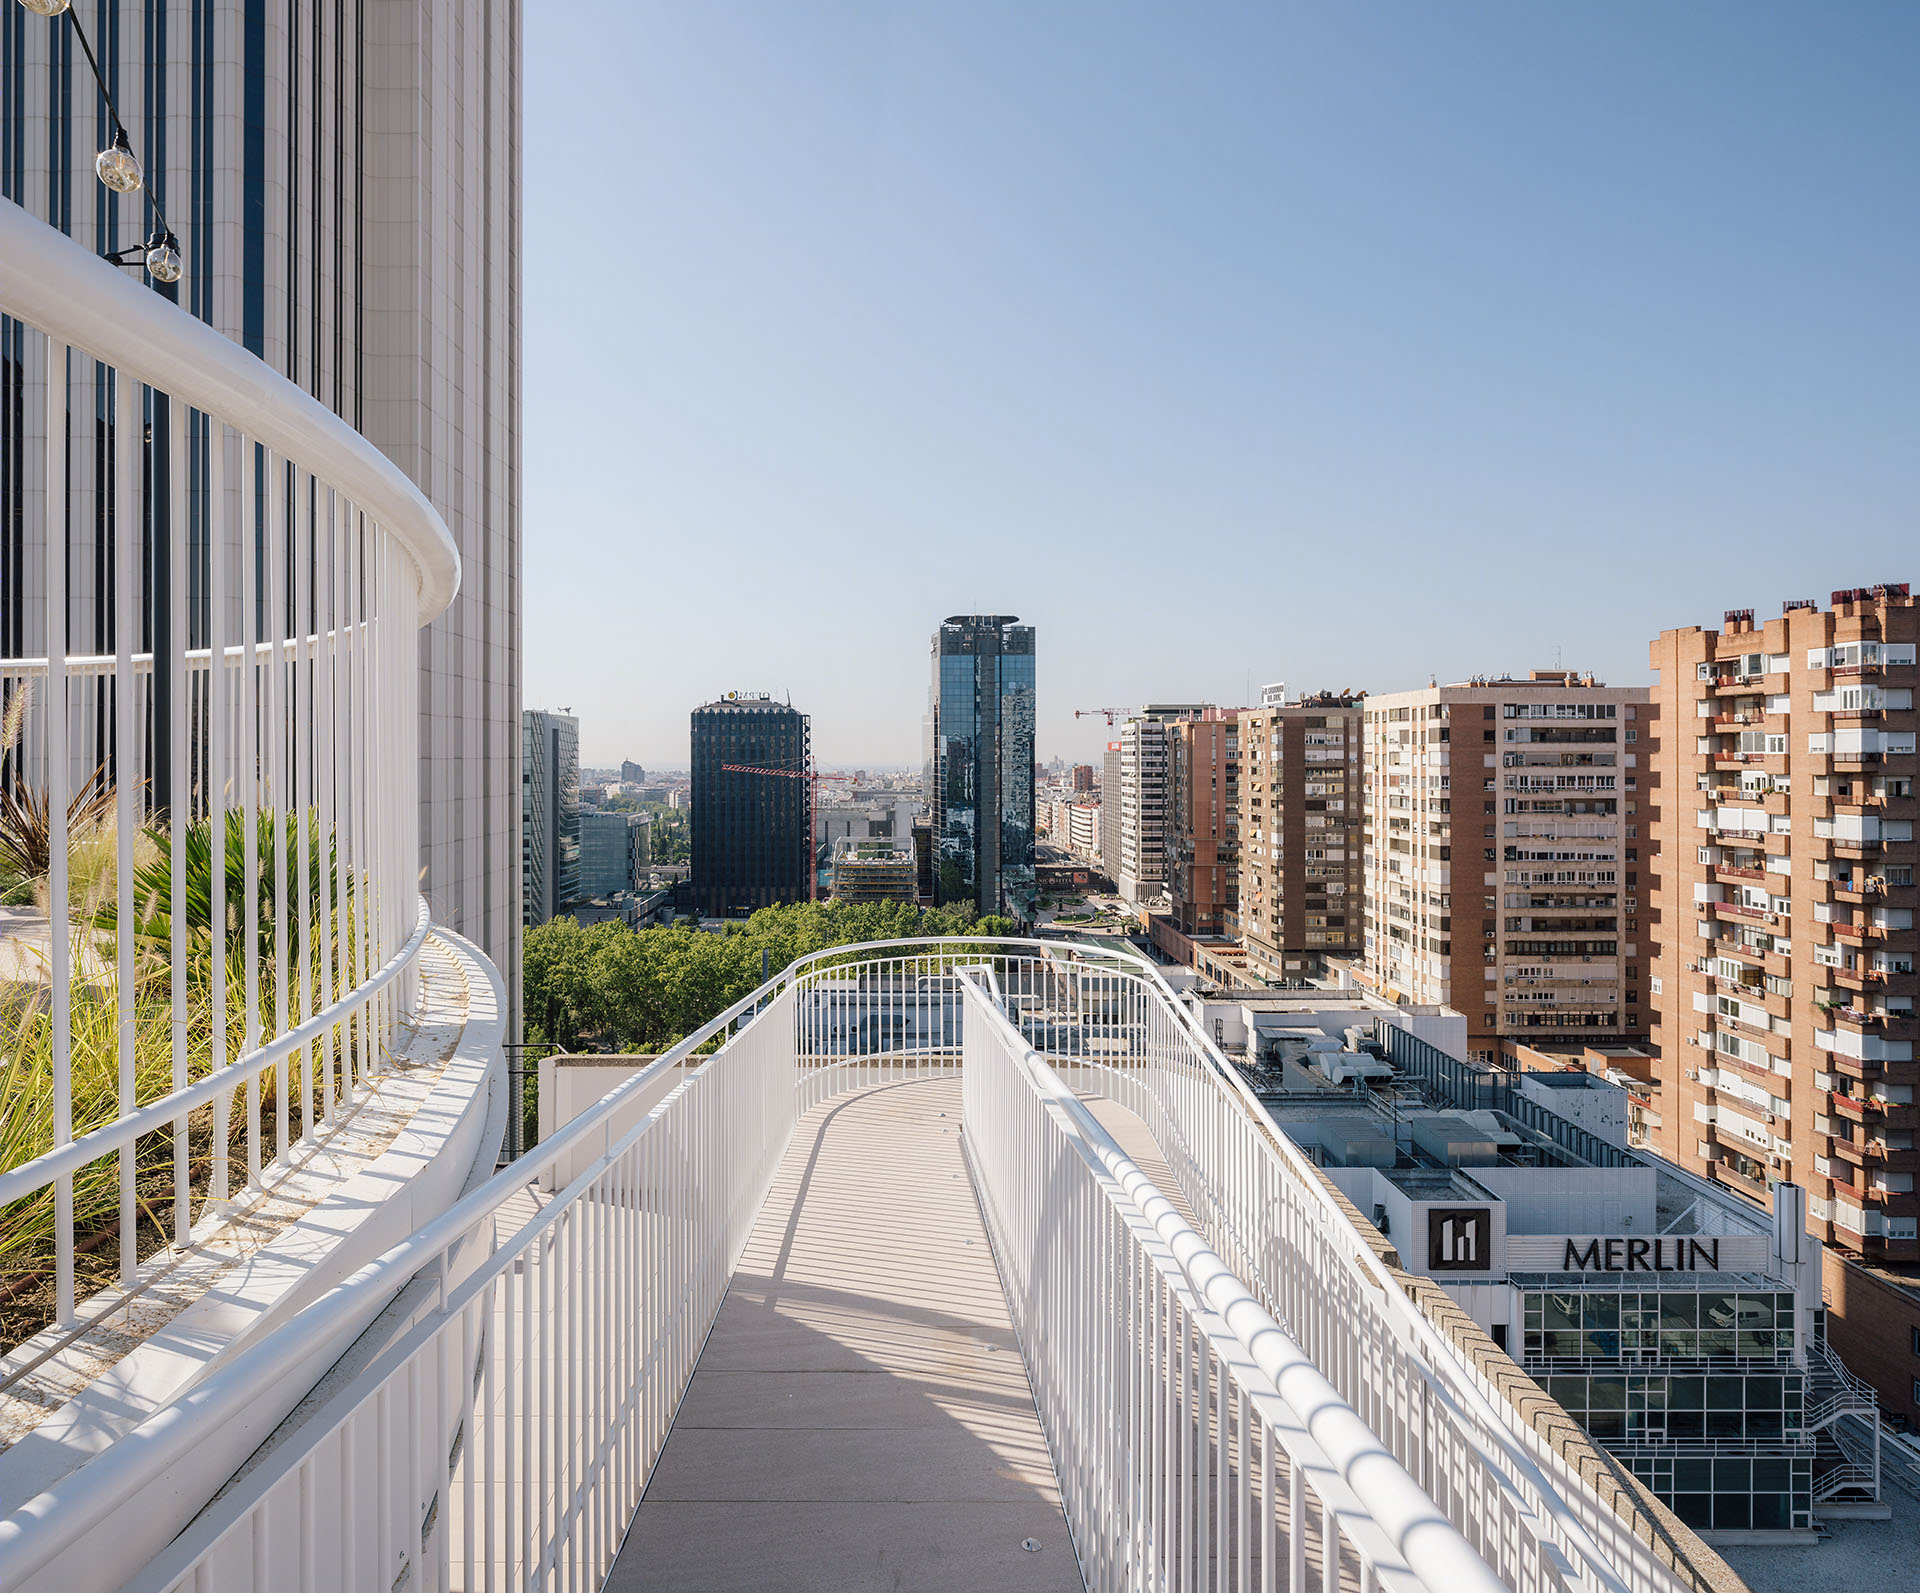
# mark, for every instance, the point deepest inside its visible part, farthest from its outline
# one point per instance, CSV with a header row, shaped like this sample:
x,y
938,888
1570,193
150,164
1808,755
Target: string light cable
x,y
119,168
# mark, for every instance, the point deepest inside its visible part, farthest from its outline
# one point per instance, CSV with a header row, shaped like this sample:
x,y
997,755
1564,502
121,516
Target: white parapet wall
x,y
570,1086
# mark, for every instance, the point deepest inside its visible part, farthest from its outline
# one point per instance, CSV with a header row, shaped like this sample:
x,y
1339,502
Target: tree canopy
x,y
642,991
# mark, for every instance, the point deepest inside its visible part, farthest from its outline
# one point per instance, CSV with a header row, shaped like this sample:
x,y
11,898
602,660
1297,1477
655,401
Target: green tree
x,y
645,991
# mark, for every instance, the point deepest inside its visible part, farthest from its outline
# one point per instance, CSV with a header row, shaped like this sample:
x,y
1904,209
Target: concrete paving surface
x,y
860,1417
1855,1556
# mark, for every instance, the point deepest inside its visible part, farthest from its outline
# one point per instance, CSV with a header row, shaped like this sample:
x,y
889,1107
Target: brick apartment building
x,y
1782,918
1504,824
1136,798
1204,825
1299,832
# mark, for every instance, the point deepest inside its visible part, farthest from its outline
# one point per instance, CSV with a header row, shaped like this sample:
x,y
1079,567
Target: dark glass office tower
x,y
753,824
981,770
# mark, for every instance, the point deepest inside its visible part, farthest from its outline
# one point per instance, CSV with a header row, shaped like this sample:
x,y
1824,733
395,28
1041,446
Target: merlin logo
x,y
1459,1239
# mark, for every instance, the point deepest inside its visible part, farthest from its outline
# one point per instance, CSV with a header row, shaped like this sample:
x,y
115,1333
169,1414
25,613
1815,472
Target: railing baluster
x,y
126,763
324,524
215,799
60,931
300,698
180,806
249,796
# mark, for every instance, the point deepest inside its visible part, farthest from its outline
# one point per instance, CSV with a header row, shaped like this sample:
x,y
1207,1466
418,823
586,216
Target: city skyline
x,y
1492,299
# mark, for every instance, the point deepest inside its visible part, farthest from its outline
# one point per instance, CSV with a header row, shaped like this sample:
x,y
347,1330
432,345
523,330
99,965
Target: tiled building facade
x,y
1299,831
1203,832
1505,822
1783,905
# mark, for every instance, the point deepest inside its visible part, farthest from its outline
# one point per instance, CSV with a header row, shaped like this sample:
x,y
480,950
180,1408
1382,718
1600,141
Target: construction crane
x,y
1087,713
814,782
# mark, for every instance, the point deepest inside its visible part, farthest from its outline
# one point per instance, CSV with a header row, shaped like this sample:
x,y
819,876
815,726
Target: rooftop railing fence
x,y
585,1317
208,794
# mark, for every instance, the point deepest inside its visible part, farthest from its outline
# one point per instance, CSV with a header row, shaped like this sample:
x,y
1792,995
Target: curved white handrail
x,y
1433,1547
50,282
19,1182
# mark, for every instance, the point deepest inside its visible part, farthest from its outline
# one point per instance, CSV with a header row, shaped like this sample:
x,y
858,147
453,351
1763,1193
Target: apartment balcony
x,y
1871,891
1753,1188
1860,1152
1863,803
246,1060
1739,912
1851,1107
1854,848
1855,979
1895,1115
1864,1020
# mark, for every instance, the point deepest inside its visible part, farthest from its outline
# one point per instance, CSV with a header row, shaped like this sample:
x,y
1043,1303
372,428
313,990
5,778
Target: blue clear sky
x,y
1338,345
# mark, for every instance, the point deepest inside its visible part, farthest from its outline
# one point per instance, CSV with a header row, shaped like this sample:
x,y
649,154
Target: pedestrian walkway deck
x,y
860,1417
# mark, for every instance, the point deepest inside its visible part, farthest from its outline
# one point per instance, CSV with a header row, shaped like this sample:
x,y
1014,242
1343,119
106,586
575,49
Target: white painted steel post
x,y
220,1185
249,794
180,807
126,764
59,771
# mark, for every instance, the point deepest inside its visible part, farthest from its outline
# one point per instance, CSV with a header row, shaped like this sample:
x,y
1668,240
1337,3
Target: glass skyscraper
x,y
980,773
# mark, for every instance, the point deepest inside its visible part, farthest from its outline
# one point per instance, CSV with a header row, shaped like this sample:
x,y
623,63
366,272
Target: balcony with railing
x,y
922,1261
238,1060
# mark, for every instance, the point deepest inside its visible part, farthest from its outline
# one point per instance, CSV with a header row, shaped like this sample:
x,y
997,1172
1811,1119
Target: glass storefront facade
x,y
1675,1323
1695,1389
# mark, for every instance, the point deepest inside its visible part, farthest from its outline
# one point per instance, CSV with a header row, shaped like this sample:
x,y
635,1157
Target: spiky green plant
x,y
26,1031
26,810
153,889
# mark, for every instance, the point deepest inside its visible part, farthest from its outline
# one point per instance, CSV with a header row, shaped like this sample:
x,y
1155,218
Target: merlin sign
x,y
1634,1253
1642,1255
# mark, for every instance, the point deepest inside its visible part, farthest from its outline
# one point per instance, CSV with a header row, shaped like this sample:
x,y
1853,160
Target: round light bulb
x,y
163,259
116,165
46,8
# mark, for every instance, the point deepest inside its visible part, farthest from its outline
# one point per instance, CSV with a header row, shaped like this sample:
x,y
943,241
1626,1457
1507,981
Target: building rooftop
x,y
745,702
1419,1136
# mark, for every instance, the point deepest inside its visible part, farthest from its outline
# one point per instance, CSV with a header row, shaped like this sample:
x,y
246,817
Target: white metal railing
x,y
1193,1439
581,1324
1259,1203
214,718
582,1321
